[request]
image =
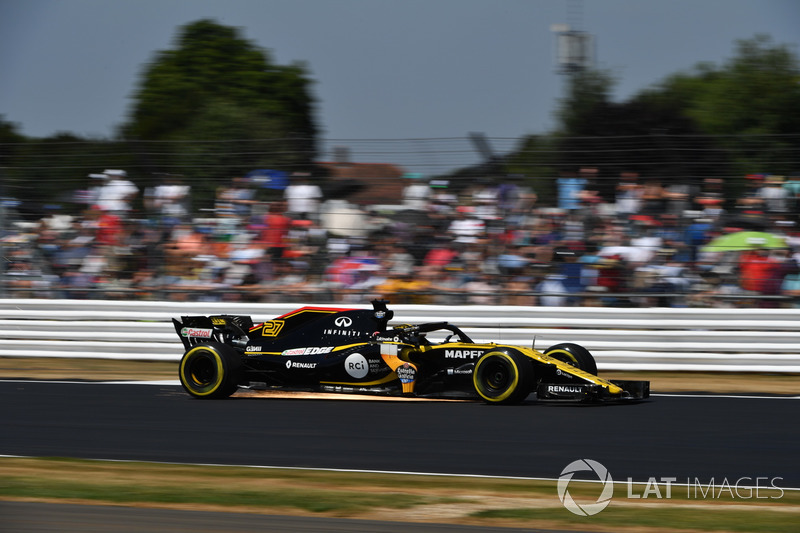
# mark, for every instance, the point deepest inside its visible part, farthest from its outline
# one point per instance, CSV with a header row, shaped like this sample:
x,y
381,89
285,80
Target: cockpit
x,y
430,333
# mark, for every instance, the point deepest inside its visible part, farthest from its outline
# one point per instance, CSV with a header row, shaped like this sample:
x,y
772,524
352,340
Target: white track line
x,y
169,382
738,396
78,382
365,471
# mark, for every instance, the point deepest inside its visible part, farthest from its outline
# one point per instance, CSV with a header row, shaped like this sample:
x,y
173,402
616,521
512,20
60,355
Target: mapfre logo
x,y
585,509
462,354
343,322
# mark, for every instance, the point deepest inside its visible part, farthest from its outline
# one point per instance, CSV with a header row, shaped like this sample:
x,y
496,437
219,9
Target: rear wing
x,y
227,329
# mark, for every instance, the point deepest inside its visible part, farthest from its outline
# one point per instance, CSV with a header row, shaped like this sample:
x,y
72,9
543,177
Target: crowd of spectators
x,y
490,243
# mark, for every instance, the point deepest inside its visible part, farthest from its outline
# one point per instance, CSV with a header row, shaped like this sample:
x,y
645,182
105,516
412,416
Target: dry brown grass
x,y
454,500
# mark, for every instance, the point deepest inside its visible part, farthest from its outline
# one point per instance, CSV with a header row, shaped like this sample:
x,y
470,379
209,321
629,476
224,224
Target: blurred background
x,y
445,153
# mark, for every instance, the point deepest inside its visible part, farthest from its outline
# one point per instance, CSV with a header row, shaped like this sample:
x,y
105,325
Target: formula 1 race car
x,y
355,351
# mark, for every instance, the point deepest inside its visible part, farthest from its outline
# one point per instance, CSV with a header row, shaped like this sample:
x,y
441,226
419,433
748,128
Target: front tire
x,y
575,355
503,378
210,370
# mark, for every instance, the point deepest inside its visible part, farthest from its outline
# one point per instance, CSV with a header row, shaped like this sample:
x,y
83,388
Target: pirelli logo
x,y
272,328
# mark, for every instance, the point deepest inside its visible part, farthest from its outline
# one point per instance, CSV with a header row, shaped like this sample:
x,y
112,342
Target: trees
x,y
217,86
588,99
730,120
39,173
535,158
648,134
8,132
756,93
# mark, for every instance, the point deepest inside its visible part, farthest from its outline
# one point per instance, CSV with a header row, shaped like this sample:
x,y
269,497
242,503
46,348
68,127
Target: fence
x,y
649,339
51,180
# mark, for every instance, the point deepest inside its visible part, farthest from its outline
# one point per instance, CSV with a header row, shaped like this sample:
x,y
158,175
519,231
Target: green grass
x,y
142,483
314,501
667,518
525,503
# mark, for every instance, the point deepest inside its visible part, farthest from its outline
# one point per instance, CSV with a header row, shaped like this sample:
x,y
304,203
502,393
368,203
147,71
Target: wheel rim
x,y
497,376
202,370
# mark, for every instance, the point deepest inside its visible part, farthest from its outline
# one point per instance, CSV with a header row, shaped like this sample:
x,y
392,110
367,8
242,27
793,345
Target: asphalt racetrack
x,y
684,437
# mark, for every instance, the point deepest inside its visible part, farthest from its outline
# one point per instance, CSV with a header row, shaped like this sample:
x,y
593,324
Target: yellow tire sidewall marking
x,y
220,371
570,356
510,390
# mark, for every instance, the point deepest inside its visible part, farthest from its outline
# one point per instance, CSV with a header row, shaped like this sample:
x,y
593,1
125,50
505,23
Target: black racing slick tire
x,y
575,355
210,370
503,377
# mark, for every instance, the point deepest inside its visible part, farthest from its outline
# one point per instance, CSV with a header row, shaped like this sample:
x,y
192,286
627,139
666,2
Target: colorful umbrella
x,y
745,240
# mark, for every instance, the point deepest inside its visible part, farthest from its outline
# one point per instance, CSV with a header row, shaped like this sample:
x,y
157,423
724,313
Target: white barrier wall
x,y
668,339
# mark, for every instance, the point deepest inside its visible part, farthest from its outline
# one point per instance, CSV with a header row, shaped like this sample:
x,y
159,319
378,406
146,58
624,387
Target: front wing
x,y
589,392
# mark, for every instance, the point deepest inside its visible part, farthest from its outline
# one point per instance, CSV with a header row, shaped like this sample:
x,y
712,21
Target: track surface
x,y
686,438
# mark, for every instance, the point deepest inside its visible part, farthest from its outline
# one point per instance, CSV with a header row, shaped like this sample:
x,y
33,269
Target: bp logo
x,y
585,509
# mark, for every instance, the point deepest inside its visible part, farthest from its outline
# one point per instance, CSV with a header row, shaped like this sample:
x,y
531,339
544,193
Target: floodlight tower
x,y
574,47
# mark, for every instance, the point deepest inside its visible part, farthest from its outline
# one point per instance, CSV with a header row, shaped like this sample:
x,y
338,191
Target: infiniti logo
x,y
585,465
343,321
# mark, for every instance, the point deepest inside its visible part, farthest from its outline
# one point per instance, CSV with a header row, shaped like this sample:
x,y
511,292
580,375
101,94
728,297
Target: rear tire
x,y
210,370
503,378
575,355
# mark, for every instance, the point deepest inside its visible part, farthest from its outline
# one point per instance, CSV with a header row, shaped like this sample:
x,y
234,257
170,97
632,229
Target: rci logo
x,y
585,465
356,365
343,322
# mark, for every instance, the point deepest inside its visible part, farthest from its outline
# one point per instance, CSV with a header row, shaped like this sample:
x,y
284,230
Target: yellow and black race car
x,y
356,351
